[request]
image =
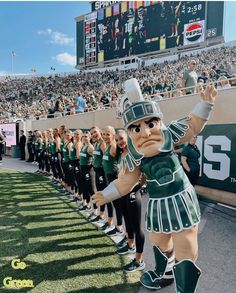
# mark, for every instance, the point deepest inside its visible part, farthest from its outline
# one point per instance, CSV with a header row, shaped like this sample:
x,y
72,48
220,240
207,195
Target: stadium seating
x,y
36,97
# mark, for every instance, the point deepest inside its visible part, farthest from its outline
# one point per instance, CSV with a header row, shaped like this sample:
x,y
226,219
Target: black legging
x,y
39,158
117,203
30,152
65,168
193,177
1,150
45,160
22,152
71,174
101,183
86,183
132,210
52,165
78,178
57,164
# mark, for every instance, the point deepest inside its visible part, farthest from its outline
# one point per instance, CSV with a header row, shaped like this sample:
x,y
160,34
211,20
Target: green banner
x,y
217,144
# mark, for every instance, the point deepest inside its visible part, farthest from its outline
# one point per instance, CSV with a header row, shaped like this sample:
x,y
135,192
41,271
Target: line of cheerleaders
x,y
71,158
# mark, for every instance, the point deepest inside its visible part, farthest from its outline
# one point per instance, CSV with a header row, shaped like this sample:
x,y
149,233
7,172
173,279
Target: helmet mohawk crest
x,y
134,107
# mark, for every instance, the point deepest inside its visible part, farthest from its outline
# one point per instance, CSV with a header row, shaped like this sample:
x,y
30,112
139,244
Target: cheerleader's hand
x,y
209,94
99,199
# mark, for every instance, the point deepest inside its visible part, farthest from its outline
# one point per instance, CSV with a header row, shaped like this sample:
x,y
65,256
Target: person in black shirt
x,y
2,142
189,159
30,146
146,88
22,145
204,77
105,100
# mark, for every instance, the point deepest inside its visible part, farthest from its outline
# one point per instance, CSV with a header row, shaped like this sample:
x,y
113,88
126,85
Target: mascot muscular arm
x,y
201,112
119,187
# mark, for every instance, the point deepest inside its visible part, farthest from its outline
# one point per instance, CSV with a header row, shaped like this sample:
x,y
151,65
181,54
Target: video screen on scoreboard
x,y
136,27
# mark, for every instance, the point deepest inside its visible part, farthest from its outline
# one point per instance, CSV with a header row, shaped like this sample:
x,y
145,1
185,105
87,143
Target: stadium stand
x,y
54,95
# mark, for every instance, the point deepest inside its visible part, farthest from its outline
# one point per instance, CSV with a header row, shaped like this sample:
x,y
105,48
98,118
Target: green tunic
x,y
109,163
85,157
38,145
97,156
62,145
65,153
44,145
72,153
173,204
52,147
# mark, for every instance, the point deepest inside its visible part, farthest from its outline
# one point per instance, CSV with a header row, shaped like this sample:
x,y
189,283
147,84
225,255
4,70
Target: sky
x,y
42,35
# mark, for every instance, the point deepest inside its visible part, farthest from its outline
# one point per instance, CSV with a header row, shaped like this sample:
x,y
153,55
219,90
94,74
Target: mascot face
x,y
147,136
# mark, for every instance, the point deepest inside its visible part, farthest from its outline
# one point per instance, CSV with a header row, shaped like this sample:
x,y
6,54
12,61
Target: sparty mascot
x,y
173,212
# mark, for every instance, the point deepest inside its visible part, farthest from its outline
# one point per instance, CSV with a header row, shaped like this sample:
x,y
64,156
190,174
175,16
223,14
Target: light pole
x,y
13,54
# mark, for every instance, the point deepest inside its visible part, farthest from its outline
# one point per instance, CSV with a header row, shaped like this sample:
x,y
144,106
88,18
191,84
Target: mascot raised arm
x,y
173,212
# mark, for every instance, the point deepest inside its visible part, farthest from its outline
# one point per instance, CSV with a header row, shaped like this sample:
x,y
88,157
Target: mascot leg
x,y
162,276
186,275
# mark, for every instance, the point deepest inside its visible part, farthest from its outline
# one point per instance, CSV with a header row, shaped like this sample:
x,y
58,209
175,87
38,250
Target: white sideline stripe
x,y
226,206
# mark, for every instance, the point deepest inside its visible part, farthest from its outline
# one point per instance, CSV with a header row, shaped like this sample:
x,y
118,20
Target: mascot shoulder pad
x,y
178,129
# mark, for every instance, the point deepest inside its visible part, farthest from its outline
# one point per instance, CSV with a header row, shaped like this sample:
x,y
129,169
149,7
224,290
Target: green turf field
x,y
62,251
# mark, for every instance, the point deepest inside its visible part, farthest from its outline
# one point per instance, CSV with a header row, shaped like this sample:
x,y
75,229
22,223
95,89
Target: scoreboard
x,y
126,28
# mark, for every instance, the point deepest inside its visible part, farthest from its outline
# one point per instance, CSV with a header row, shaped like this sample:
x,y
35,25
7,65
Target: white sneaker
x,y
101,220
115,232
109,228
134,266
89,209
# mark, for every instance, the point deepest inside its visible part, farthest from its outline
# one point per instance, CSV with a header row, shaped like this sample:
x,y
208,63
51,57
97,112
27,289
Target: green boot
x,y
186,275
162,276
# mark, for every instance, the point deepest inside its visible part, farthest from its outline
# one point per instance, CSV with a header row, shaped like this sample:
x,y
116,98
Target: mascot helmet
x,y
133,105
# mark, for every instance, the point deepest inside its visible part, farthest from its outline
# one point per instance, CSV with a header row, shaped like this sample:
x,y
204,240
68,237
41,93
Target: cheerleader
x,y
109,162
57,155
132,211
38,150
67,168
44,154
100,177
77,170
86,156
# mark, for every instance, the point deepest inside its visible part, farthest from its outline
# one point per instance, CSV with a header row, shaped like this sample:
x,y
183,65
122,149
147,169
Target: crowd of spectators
x,y
59,94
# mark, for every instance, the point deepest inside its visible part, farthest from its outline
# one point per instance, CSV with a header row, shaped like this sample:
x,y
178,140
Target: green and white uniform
x,y
62,145
52,147
38,145
85,157
44,146
65,151
173,204
109,163
97,156
72,153
86,163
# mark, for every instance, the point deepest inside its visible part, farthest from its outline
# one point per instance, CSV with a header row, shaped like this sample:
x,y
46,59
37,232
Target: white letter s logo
x,y
223,159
